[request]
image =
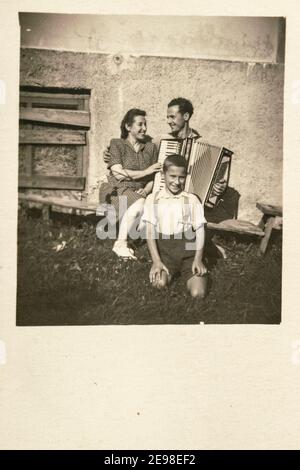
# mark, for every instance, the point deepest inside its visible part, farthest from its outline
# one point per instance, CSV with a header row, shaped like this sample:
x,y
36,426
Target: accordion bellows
x,y
207,165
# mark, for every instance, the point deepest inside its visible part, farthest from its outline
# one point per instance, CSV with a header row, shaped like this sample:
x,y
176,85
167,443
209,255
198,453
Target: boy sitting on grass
x,y
175,231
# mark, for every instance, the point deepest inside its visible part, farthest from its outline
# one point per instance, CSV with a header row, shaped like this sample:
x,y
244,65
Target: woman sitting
x,y
132,168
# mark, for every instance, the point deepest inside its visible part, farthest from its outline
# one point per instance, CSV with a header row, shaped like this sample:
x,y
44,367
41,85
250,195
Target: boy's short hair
x,y
175,160
185,106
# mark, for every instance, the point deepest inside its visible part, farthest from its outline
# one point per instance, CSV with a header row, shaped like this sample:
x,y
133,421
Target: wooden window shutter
x,y
53,139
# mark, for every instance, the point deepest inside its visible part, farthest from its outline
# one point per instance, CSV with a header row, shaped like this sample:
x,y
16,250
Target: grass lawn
x,y
86,284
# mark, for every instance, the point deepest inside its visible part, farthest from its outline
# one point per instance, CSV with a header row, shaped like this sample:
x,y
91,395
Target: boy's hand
x,y
198,268
155,271
106,155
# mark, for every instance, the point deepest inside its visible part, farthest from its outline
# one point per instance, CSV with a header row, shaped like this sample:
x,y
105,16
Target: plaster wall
x,y
238,105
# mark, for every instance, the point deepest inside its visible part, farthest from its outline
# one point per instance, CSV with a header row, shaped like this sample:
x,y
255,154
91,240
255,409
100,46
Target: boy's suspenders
x,y
186,209
156,209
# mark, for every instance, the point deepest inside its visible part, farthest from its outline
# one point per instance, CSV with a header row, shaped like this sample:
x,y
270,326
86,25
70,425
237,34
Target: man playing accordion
x,y
179,113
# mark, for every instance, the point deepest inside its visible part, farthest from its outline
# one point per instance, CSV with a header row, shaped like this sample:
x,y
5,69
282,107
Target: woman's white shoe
x,y
123,251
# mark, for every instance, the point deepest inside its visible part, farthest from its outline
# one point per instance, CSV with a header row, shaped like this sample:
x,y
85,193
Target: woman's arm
x,y
149,186
122,174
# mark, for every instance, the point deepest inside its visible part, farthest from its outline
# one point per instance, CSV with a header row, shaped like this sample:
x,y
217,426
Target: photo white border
x,y
159,387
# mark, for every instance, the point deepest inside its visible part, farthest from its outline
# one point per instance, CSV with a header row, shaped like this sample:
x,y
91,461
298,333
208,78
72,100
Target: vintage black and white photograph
x,y
150,169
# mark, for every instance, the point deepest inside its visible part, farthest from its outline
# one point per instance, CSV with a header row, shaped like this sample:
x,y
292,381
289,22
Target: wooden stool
x,y
268,222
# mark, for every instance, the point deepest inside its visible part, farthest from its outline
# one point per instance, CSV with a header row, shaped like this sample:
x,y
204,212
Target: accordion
x,y
207,165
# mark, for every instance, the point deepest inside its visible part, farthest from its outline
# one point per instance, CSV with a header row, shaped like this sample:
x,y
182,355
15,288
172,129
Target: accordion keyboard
x,y
167,147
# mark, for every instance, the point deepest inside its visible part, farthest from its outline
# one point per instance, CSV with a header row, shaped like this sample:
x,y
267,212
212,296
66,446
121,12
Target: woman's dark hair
x,y
175,160
128,119
185,106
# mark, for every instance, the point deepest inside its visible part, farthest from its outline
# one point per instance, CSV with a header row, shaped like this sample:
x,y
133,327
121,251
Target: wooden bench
x,y
269,221
238,226
49,203
263,230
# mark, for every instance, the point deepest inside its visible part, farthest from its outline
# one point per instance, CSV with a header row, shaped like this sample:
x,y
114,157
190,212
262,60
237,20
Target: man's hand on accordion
x,y
219,188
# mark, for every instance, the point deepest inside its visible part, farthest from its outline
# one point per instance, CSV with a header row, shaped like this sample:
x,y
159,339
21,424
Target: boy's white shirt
x,y
168,217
